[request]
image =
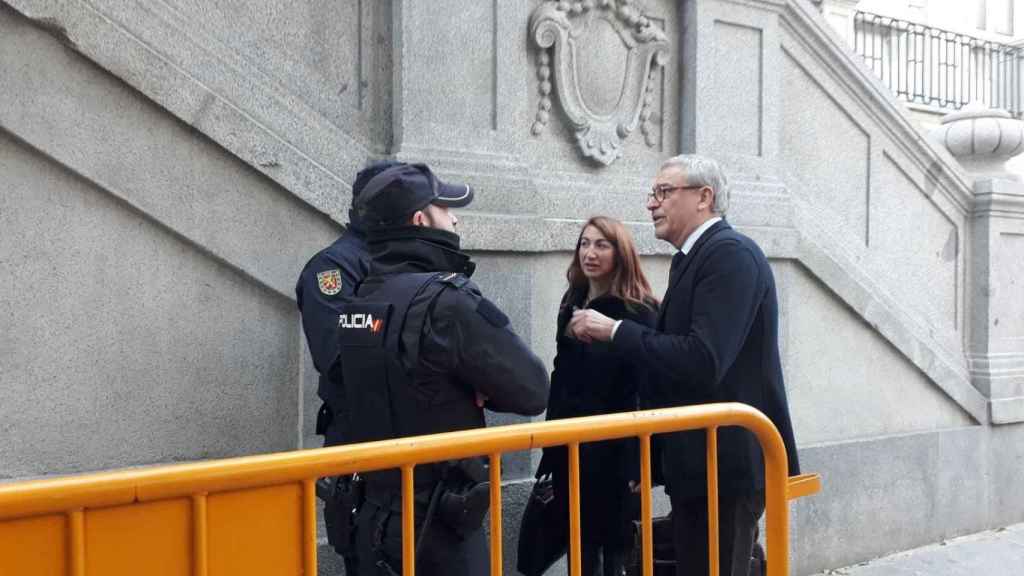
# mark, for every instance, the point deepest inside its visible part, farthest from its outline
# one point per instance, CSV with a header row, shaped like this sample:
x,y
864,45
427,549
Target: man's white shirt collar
x,y
696,234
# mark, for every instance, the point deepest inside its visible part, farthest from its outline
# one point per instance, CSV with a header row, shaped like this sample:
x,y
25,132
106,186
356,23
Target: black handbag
x,y
665,552
544,531
664,549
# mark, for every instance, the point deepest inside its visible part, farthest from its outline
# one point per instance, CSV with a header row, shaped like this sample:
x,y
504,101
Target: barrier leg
x,y
496,560
712,472
646,524
408,523
575,553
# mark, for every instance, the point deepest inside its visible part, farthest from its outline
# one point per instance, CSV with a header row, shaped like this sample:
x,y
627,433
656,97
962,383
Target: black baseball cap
x,y
362,179
366,174
396,193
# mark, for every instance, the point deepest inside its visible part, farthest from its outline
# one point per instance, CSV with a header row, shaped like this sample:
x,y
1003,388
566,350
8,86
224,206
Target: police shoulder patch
x,y
491,313
329,281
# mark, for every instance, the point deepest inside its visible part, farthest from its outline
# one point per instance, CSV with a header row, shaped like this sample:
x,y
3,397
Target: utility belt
x,y
459,500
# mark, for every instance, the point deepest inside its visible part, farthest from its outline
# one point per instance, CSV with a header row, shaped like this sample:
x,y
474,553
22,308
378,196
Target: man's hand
x,y
591,326
480,400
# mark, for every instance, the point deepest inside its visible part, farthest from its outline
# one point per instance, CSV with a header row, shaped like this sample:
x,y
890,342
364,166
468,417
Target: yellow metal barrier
x,y
256,515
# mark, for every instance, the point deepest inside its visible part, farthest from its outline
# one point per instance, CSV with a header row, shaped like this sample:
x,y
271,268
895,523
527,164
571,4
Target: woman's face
x,y
596,254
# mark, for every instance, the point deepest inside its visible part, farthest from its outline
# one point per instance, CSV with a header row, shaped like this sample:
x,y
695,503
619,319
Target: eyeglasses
x,y
659,193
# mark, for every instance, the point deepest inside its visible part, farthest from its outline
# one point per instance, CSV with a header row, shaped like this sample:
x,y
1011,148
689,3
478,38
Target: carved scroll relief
x,y
577,37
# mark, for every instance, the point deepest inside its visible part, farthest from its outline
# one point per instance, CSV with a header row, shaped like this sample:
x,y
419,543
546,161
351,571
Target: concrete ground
x,y
997,552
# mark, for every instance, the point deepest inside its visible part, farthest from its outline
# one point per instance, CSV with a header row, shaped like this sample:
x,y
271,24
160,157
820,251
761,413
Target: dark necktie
x,y
677,263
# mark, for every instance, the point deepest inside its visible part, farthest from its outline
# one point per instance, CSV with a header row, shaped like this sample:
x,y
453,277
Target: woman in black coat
x,y
589,379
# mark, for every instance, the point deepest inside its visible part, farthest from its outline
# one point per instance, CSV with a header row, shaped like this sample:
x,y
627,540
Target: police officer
x,y
330,275
422,351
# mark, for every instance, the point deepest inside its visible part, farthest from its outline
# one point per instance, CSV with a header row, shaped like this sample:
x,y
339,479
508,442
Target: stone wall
x,y
169,167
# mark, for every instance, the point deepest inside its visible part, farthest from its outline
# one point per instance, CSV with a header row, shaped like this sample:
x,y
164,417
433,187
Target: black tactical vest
x,y
383,399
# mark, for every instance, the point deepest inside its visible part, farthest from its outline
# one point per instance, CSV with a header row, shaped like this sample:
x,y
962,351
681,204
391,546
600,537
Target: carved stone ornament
x,y
981,138
602,114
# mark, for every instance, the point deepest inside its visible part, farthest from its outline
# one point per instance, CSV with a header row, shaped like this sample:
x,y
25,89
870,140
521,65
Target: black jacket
x,y
716,341
592,379
330,275
465,341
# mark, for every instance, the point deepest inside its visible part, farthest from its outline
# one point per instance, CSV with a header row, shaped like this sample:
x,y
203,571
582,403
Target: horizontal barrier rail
x,y
256,514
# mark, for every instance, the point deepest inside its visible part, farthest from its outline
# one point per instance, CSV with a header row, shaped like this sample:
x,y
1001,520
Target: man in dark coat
x,y
716,341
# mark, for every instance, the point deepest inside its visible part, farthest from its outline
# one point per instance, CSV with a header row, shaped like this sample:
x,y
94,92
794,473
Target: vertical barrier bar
x,y
496,531
408,523
991,73
712,472
898,62
309,526
200,564
959,86
945,70
856,33
776,507
919,56
1017,84
878,50
575,555
997,95
931,67
76,532
1003,81
646,524
968,58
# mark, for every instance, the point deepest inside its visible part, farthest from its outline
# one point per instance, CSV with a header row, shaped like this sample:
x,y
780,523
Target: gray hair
x,y
703,171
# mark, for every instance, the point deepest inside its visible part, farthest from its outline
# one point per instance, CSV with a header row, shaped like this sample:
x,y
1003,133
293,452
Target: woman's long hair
x,y
628,281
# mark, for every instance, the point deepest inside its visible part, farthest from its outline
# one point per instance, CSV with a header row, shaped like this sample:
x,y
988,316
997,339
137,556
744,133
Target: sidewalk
x,y
997,552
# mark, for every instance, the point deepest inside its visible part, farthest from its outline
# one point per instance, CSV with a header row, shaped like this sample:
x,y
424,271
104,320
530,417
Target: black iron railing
x,y
937,67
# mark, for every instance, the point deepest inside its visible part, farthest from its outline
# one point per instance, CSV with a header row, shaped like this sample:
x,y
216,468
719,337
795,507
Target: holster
x,y
466,497
342,496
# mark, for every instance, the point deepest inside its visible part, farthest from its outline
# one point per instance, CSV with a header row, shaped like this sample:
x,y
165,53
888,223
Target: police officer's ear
x,y
420,218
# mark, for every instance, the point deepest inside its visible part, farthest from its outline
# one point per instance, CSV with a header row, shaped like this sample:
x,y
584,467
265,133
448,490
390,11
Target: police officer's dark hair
x,y
362,178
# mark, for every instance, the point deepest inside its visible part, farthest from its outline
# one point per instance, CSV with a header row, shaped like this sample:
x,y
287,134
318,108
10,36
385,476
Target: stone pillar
x,y
839,13
982,140
455,67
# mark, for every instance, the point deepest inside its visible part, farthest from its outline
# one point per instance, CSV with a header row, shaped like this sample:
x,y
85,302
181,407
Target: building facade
x,y
168,167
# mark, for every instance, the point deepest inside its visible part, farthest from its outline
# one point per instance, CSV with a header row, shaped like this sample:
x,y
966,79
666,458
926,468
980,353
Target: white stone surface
x,y
124,345
852,383
920,242
825,151
168,153
168,267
